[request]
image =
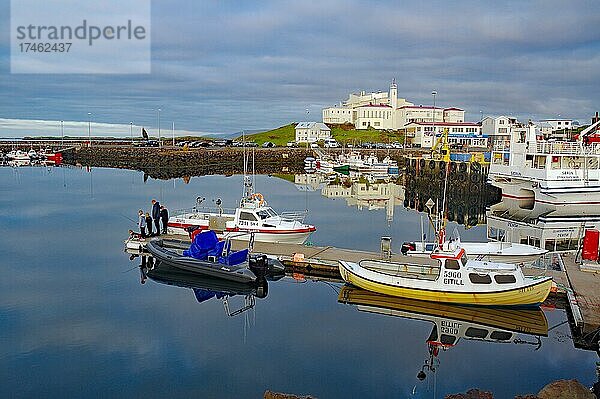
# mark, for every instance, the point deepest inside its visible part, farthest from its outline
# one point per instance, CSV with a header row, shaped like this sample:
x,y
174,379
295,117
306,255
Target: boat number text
x,y
452,277
449,327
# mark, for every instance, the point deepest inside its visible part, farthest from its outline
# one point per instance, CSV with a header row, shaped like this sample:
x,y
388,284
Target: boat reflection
x,y
451,323
205,288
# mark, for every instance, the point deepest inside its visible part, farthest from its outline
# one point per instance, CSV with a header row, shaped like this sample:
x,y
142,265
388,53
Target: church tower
x,y
393,95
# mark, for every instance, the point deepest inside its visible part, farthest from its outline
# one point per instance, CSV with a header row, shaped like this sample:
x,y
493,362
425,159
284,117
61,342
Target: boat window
x,y
464,259
474,332
452,264
501,335
480,279
429,247
447,339
247,216
505,279
263,214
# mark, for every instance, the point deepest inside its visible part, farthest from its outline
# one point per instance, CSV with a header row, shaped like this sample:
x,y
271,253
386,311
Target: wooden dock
x,y
584,303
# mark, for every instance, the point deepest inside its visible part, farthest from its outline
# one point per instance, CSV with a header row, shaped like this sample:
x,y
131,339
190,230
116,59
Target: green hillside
x,y
343,134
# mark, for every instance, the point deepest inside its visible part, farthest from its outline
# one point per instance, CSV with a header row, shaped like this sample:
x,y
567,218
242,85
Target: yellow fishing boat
x,y
449,276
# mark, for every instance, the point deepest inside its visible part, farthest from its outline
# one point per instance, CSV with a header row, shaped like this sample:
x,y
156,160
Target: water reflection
x,y
357,191
204,288
453,323
548,227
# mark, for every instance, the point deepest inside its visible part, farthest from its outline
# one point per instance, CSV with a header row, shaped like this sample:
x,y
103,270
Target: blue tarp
x,y
207,244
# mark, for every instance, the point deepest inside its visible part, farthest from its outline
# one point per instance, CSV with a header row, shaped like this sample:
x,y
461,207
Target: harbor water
x,y
75,320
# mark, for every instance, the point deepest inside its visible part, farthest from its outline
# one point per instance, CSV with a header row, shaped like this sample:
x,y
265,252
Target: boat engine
x,y
259,265
407,246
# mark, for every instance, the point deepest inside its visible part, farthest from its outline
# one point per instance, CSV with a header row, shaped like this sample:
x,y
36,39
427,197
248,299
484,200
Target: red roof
x,y
453,109
419,107
375,105
445,123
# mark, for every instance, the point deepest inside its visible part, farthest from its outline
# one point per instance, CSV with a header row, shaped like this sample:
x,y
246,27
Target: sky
x,y
224,66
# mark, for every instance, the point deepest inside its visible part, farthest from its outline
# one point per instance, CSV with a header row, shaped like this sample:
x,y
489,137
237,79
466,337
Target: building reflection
x,y
356,190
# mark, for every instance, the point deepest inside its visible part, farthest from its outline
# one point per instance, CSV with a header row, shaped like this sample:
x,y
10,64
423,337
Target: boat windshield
x,y
266,213
464,259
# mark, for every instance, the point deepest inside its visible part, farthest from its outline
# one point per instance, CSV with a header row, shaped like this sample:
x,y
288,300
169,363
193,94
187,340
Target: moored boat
x,y
213,258
252,216
490,251
448,276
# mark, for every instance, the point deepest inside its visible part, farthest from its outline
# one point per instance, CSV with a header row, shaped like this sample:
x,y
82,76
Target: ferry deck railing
x,y
574,148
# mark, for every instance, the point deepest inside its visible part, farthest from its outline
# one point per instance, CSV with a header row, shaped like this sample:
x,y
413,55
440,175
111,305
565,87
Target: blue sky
x,y
224,66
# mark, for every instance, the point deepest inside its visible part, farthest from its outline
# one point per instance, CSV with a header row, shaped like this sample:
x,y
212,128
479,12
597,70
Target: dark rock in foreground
x,y
276,395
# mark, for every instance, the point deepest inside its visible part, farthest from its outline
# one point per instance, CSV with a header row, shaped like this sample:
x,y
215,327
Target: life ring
x,y
259,197
422,163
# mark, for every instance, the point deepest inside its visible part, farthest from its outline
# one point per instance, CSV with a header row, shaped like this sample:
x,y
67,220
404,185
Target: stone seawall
x,y
166,163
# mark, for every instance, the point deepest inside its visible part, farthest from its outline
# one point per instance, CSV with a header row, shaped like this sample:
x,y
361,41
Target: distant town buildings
x,y
312,132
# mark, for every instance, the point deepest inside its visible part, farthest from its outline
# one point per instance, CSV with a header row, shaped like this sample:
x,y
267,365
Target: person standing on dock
x,y
142,223
156,215
149,224
164,215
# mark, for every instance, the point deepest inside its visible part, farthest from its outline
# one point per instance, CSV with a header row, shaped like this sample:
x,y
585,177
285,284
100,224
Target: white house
x,y
460,133
559,124
312,132
498,128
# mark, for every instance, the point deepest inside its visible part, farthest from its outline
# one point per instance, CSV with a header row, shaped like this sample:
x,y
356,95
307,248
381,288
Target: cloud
x,y
226,66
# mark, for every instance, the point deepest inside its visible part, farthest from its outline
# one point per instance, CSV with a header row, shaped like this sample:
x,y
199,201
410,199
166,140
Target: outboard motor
x,y
407,246
259,265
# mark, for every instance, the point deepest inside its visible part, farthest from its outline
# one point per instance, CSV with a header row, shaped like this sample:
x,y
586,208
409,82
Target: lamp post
x,y
433,93
159,142
62,134
90,129
131,131
173,133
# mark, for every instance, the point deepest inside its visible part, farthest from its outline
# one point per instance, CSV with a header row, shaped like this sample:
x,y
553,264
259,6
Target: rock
x,y
527,397
565,389
472,394
276,395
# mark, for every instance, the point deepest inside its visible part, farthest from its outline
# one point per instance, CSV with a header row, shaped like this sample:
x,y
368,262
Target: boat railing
x,y
203,209
294,215
575,148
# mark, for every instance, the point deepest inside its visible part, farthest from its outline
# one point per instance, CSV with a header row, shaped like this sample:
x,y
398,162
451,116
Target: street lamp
x,y
433,93
159,143
173,133
131,131
62,134
90,129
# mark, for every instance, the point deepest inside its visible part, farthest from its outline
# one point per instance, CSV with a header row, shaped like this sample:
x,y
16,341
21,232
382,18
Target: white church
x,y
385,111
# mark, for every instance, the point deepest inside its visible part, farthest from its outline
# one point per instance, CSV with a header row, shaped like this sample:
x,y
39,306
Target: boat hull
x,y
284,237
530,295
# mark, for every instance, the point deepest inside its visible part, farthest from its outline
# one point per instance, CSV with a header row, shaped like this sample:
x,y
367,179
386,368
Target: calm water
x,y
75,320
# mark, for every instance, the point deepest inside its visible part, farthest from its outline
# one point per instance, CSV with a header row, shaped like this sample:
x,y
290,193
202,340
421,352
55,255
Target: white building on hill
x,y
385,111
460,133
312,132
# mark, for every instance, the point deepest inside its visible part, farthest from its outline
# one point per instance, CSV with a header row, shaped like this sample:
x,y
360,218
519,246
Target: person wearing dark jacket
x,y
149,224
164,215
156,215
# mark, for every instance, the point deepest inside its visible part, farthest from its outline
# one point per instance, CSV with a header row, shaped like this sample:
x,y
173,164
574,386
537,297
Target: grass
x,y
343,134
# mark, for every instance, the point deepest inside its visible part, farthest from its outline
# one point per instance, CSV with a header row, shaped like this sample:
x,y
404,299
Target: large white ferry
x,y
556,173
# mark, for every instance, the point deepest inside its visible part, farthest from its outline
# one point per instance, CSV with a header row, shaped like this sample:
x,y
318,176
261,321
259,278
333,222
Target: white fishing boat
x,y
493,251
557,173
448,276
17,155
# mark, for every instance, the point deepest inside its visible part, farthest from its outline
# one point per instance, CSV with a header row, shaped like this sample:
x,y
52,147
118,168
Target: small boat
x,y
447,275
210,257
252,216
490,251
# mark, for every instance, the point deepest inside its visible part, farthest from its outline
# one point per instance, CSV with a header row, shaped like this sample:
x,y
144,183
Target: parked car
x,y
292,144
314,145
220,143
331,143
252,144
268,144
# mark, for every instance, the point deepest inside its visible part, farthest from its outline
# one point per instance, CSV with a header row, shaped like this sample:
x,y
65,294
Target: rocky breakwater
x,y
166,163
